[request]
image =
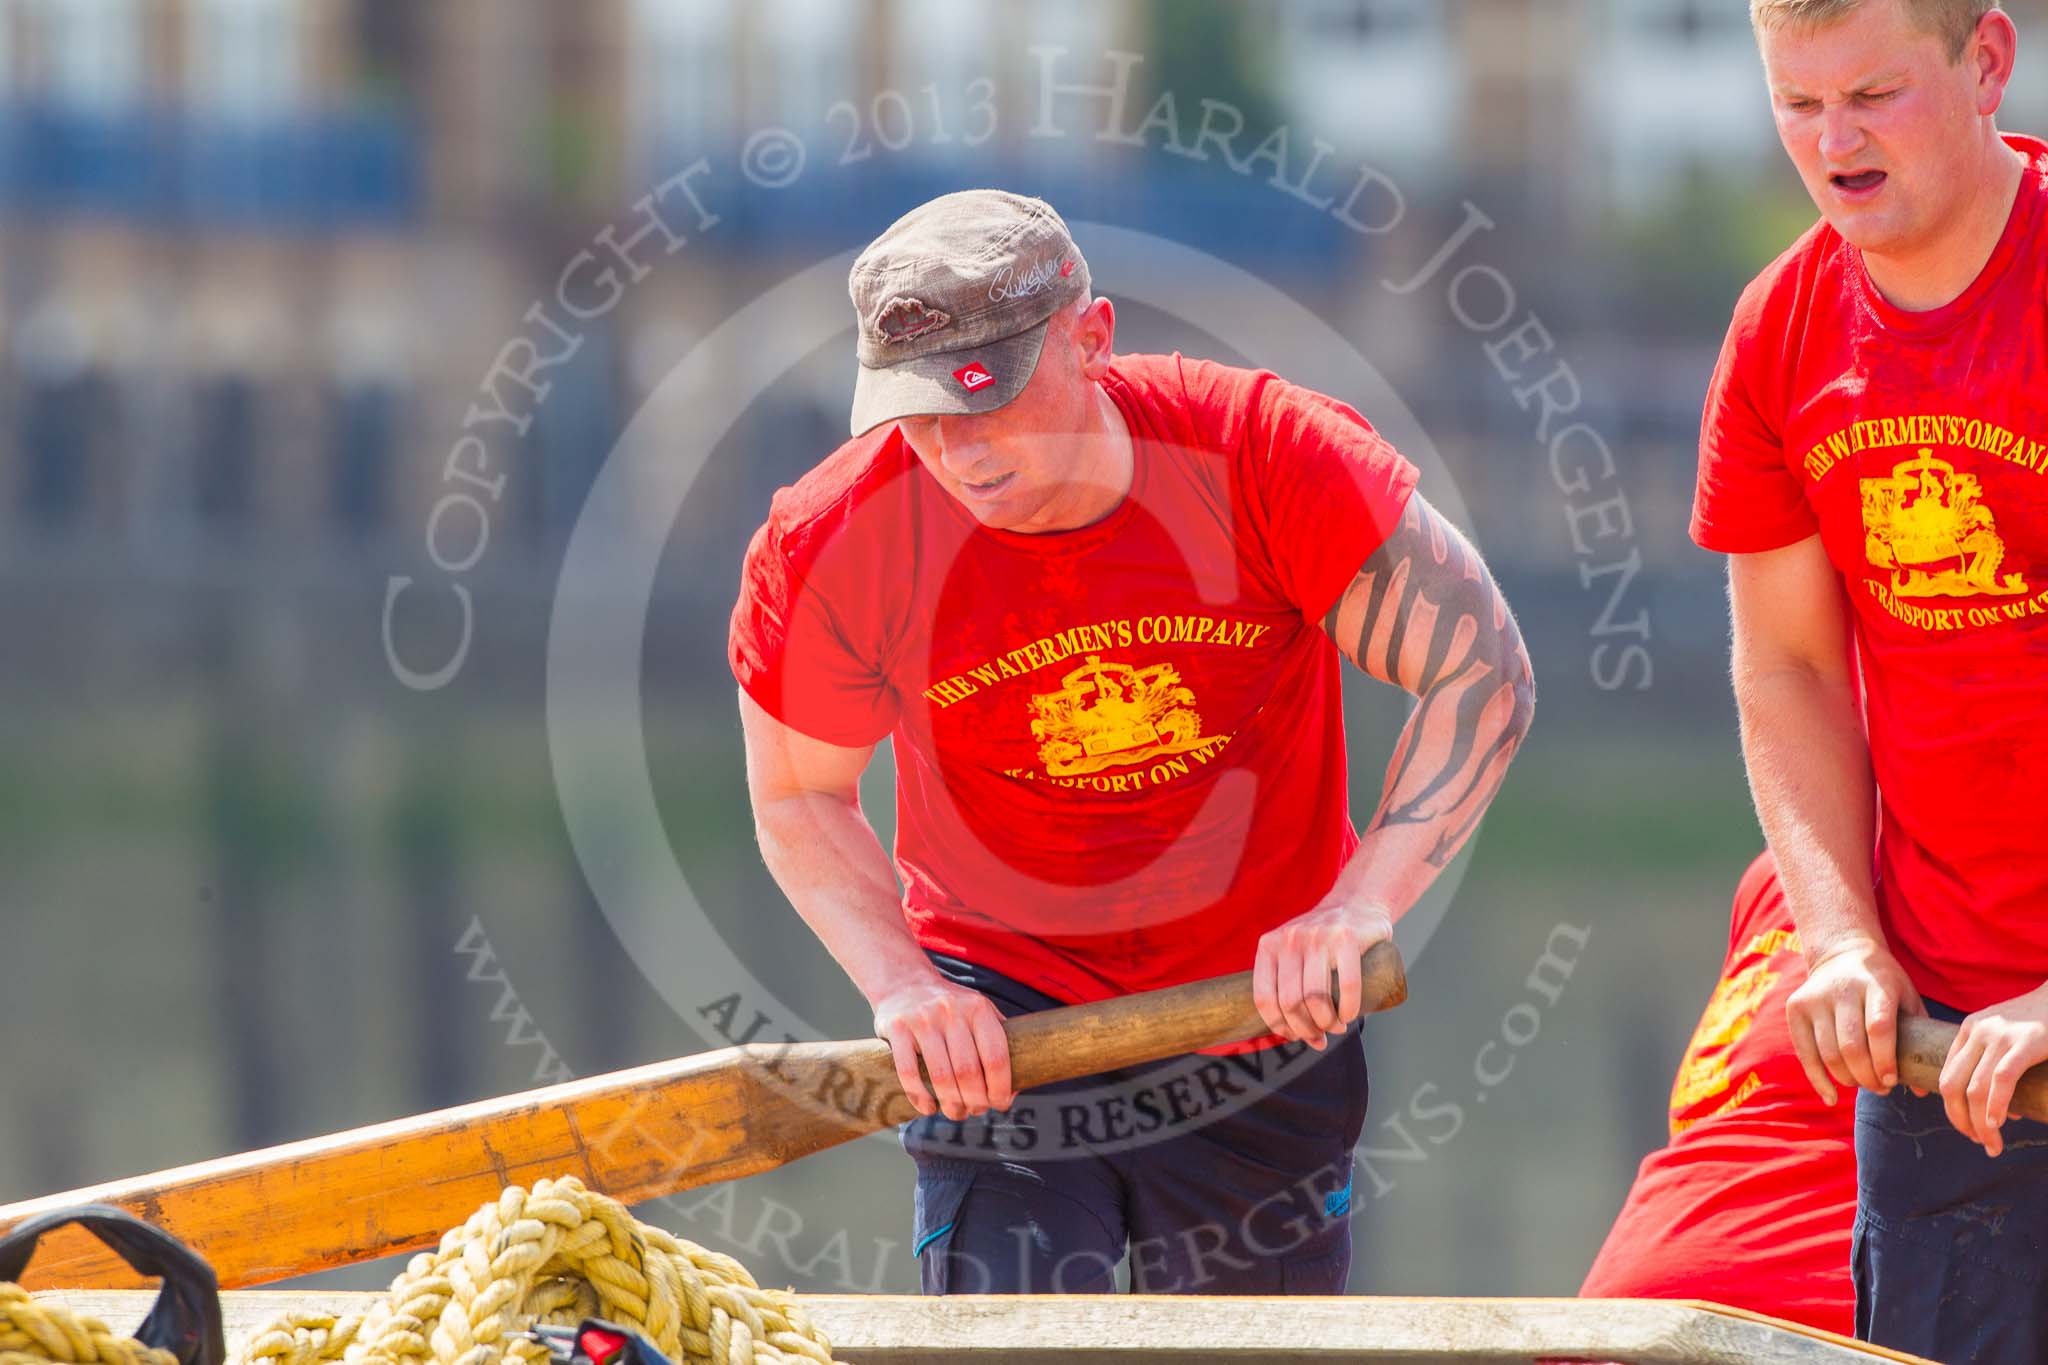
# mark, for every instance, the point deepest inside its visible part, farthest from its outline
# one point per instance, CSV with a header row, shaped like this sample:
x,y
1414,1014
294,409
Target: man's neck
x,y
1111,465
1938,273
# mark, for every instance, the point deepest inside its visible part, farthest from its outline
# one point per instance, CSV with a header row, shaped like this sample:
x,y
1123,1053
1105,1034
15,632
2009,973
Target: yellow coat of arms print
x,y
1112,713
1927,523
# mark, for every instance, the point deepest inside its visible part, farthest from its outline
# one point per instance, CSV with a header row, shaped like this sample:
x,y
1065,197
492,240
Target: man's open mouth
x,y
1858,182
990,487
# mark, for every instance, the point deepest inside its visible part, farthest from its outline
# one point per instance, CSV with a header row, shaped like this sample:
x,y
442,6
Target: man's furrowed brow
x,y
1793,90
1879,82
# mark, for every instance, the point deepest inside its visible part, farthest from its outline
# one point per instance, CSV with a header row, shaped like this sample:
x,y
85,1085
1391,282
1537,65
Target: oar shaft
x,y
1924,1047
635,1135
1061,1045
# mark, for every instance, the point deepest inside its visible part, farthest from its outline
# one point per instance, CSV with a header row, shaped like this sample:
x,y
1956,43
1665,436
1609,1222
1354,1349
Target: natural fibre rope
x,y
557,1254
553,1255
37,1333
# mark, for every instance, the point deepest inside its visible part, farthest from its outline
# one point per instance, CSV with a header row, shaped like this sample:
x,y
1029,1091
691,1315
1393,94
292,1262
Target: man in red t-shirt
x,y
1751,1202
1097,603
1874,459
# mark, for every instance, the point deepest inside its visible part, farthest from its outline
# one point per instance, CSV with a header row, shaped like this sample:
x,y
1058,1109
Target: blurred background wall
x,y
261,261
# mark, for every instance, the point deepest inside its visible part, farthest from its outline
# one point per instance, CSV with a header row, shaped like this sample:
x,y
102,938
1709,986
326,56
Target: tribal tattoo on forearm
x,y
1425,615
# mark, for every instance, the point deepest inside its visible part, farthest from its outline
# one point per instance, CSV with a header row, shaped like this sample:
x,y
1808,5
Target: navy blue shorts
x,y
1222,1175
1950,1252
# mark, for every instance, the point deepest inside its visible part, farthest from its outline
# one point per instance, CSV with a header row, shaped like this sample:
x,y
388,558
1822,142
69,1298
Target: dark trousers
x,y
1950,1252
1222,1175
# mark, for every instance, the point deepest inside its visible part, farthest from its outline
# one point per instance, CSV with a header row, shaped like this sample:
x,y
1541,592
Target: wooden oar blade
x,y
266,1215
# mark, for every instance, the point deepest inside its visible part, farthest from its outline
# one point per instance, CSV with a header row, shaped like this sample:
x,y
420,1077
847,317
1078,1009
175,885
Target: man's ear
x,y
1095,336
1994,48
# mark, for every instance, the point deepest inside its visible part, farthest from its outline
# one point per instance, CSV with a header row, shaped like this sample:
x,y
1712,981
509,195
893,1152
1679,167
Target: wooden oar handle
x,y
1923,1047
636,1135
1081,1040
851,1088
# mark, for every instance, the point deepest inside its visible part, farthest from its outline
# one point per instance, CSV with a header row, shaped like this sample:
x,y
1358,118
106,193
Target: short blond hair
x,y
1953,21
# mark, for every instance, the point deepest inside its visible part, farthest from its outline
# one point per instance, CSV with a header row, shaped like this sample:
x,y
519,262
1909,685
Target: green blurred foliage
x,y
1689,256
1211,49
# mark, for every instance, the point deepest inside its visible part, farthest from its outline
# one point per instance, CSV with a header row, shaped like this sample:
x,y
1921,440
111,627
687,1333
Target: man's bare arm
x,y
1423,614
1809,768
1809,774
824,855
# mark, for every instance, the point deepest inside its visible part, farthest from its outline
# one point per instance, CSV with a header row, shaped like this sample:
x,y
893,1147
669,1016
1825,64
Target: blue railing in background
x,y
363,165
306,172
1241,219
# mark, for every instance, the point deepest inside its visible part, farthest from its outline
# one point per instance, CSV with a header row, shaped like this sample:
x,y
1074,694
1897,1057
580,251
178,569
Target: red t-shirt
x,y
1916,444
1751,1202
1119,749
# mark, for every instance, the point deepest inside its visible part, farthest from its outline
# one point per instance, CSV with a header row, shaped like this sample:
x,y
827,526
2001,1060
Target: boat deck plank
x,y
885,1329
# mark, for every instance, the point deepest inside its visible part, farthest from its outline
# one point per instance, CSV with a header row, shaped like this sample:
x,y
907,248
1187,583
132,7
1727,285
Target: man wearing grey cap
x,y
1097,602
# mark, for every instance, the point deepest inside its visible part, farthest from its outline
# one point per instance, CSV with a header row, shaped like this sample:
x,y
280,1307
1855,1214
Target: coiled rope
x,y
556,1254
36,1333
